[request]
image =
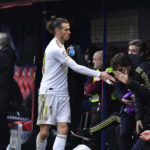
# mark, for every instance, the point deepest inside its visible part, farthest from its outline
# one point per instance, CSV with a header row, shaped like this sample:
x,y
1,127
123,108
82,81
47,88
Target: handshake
x,y
105,76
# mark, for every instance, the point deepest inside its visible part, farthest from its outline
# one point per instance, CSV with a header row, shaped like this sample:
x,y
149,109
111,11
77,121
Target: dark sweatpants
x,y
127,127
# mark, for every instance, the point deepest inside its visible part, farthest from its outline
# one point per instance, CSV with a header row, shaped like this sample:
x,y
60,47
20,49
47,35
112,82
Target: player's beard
x,y
65,38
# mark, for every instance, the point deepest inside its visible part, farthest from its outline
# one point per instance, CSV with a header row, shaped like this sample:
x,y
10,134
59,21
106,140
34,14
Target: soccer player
x,y
53,101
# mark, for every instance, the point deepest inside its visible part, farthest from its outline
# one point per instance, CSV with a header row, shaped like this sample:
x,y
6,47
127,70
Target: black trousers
x,y
127,127
5,96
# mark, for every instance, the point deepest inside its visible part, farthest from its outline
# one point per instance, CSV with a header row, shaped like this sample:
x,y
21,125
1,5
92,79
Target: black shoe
x,y
82,133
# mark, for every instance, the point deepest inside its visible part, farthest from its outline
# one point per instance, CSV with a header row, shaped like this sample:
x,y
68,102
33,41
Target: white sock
x,y
60,142
40,144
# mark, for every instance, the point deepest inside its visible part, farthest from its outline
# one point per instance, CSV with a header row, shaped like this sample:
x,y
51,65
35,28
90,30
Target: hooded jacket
x,y
7,60
137,64
142,102
122,89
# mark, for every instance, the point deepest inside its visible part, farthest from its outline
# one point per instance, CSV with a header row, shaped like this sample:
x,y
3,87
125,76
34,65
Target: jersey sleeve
x,y
81,69
62,56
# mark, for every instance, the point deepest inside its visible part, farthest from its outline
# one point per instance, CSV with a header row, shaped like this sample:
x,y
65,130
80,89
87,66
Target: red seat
x,y
27,91
21,81
17,73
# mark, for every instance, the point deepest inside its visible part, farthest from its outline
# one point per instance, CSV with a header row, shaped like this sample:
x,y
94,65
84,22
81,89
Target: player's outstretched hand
x,y
105,76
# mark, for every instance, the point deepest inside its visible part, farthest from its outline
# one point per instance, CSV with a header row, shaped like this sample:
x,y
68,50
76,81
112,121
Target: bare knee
x,y
43,135
62,128
44,131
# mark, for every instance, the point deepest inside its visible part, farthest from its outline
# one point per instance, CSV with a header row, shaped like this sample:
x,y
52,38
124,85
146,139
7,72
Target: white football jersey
x,y
55,68
54,78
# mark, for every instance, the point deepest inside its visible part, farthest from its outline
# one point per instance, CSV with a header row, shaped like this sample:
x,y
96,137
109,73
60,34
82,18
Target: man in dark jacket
x,y
142,91
7,59
137,70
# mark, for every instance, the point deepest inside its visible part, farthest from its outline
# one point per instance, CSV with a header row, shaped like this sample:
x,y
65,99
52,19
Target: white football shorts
x,y
53,109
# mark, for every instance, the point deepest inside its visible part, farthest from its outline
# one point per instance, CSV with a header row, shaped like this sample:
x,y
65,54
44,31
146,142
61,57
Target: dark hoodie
x,y
140,89
122,89
141,73
7,61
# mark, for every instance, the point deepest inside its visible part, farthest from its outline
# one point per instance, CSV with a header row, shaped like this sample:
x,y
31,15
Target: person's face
x,y
64,32
123,69
133,49
97,61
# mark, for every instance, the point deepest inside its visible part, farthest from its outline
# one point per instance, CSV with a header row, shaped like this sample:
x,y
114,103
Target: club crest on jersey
x,y
65,53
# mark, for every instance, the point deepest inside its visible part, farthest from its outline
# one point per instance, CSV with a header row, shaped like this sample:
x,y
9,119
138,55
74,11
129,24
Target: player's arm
x,y
62,56
104,75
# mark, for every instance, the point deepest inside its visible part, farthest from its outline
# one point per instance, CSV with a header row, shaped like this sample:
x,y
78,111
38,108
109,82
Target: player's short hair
x,y
121,59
